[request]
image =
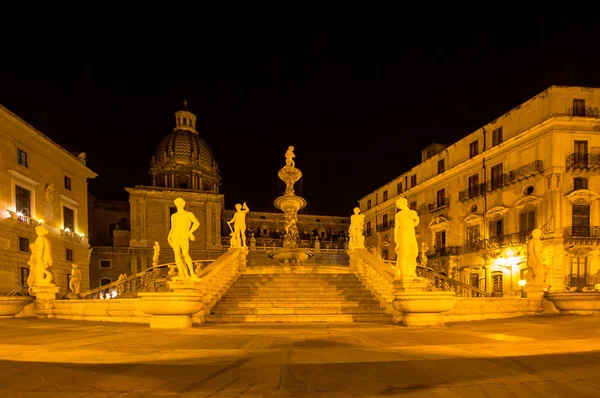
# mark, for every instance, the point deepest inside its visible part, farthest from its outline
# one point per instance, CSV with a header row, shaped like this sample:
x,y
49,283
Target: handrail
x,y
446,283
131,278
375,274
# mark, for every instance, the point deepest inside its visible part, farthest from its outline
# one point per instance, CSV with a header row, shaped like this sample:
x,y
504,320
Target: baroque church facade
x,y
123,234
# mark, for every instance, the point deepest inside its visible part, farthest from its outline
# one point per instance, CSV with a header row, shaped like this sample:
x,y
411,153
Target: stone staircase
x,y
298,297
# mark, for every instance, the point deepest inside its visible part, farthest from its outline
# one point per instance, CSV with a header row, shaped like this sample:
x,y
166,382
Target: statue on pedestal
x,y
40,260
156,253
289,157
183,225
239,224
407,248
357,221
535,267
422,257
75,281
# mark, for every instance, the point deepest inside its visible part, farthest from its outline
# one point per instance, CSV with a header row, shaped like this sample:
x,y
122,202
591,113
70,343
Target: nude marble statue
x,y
183,225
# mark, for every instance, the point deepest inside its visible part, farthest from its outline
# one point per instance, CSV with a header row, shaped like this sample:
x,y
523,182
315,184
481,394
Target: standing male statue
x,y
183,225
407,248
239,223
357,221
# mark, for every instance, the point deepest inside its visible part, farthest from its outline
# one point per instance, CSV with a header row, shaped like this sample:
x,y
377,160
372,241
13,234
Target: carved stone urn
x,y
421,308
173,310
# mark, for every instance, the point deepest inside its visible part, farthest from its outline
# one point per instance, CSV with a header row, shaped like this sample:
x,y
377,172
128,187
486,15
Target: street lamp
x,y
522,283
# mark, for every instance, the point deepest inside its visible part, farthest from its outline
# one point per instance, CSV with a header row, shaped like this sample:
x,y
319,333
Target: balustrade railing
x,y
150,280
442,282
376,274
576,235
583,111
438,204
583,161
526,171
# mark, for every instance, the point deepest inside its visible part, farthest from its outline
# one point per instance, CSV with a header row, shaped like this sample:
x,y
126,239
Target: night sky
x,y
358,91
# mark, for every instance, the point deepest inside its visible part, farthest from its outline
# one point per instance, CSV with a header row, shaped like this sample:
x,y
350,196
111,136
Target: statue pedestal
x,y
44,300
534,290
421,308
174,310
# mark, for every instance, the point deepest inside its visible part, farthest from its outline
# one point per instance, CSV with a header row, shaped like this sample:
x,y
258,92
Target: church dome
x,y
183,159
184,146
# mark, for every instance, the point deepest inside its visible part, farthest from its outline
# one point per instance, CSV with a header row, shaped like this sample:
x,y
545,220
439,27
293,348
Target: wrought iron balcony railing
x,y
498,182
582,235
472,192
525,171
497,242
583,112
444,251
439,204
583,161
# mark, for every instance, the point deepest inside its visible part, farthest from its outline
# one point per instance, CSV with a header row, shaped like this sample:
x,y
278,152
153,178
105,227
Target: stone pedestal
x,y
421,308
534,290
44,300
174,310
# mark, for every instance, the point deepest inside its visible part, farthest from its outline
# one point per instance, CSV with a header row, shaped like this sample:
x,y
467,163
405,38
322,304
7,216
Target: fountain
x,y
290,203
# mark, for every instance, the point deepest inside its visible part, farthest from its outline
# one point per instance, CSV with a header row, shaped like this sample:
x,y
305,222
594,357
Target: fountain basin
x,y
12,305
292,256
575,303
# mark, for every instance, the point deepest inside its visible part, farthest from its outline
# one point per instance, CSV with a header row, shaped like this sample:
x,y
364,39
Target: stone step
x,y
281,293
293,290
297,284
338,318
225,303
297,311
282,298
293,278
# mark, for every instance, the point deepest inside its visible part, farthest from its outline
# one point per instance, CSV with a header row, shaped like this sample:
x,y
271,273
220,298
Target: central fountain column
x,y
290,204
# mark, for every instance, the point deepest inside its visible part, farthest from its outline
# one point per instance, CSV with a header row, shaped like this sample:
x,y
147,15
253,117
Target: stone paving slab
x,y
543,356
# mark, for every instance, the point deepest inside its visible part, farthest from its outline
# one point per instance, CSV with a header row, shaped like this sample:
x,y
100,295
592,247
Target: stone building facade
x,y
537,166
183,166
40,183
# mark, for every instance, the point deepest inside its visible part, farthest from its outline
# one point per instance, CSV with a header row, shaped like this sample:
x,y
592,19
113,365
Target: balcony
x,y
443,251
68,233
385,226
473,192
22,218
583,112
497,242
498,182
582,235
438,205
583,161
525,171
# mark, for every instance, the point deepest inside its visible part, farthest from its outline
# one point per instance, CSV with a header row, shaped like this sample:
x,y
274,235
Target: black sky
x,y
358,90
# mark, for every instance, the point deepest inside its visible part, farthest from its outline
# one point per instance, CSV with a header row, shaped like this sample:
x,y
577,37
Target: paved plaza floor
x,y
543,356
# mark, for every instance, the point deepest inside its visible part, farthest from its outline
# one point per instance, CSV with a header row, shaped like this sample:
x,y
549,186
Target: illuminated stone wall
x,y
538,175
47,163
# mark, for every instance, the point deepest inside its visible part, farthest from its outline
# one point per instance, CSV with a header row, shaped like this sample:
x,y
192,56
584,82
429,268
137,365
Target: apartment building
x,y
40,183
478,199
